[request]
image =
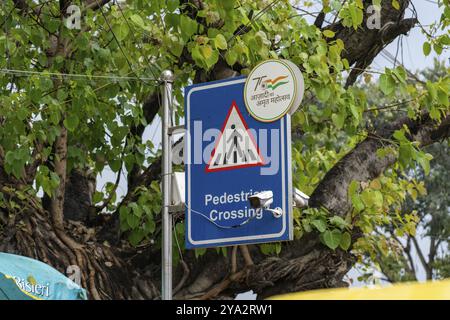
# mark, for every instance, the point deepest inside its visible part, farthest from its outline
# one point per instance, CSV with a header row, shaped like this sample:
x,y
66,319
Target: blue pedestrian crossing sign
x,y
230,156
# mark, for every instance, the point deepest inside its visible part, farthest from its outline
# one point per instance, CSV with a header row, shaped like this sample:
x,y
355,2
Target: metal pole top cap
x,y
167,76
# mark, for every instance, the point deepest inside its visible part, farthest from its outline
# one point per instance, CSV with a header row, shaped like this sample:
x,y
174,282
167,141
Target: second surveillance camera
x,y
261,200
300,199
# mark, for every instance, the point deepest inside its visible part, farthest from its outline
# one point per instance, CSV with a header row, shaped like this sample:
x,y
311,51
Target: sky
x,y
412,59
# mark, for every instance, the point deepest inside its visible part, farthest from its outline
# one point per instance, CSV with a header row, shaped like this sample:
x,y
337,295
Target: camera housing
x,y
300,199
261,200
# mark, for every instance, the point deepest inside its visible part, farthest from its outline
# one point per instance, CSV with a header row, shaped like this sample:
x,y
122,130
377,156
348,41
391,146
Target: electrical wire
x,y
9,14
256,17
174,231
387,55
115,38
135,40
307,13
73,75
220,226
148,62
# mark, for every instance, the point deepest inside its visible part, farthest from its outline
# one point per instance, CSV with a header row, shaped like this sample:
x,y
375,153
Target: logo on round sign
x,y
272,89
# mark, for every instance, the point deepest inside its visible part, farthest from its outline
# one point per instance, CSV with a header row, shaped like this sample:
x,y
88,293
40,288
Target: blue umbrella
x,y
10,291
22,278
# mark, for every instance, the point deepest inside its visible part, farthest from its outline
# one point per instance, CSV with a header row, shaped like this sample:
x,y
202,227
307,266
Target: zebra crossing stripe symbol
x,y
236,147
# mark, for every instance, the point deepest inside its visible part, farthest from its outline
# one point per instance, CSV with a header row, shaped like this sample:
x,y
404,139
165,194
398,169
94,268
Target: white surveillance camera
x,y
261,200
300,199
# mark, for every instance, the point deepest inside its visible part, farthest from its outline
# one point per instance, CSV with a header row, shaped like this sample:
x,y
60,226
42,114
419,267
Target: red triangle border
x,y
261,163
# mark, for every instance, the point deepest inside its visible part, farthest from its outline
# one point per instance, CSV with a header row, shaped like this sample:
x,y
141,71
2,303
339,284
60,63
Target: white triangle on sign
x,y
236,146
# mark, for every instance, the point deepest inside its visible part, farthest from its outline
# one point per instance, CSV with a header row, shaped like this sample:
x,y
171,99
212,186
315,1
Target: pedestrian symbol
x,y
236,147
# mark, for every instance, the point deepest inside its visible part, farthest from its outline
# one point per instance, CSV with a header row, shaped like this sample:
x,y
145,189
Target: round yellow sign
x,y
272,89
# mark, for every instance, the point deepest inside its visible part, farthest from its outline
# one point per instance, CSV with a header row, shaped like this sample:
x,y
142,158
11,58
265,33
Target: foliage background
x,y
74,102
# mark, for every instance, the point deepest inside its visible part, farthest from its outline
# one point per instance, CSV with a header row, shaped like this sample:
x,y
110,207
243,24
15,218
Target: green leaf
x,y
172,19
323,93
387,84
329,34
356,15
424,161
338,222
61,95
136,237
405,154
400,74
220,42
174,44
97,197
150,226
137,210
338,119
71,122
353,187
443,97
133,221
396,5
332,238
306,225
438,48
320,225
372,198
231,57
345,241
426,48
22,113
277,248
188,27
354,111
357,203
199,252
137,20
121,31
210,55
53,25
432,91
227,4
206,51
115,164
123,213
434,113
400,136
172,5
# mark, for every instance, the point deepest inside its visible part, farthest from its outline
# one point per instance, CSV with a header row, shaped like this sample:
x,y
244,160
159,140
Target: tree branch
x,y
95,4
60,165
432,253
422,258
363,164
407,251
364,44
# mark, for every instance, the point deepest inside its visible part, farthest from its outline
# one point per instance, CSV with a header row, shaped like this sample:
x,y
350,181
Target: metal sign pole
x,y
167,79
